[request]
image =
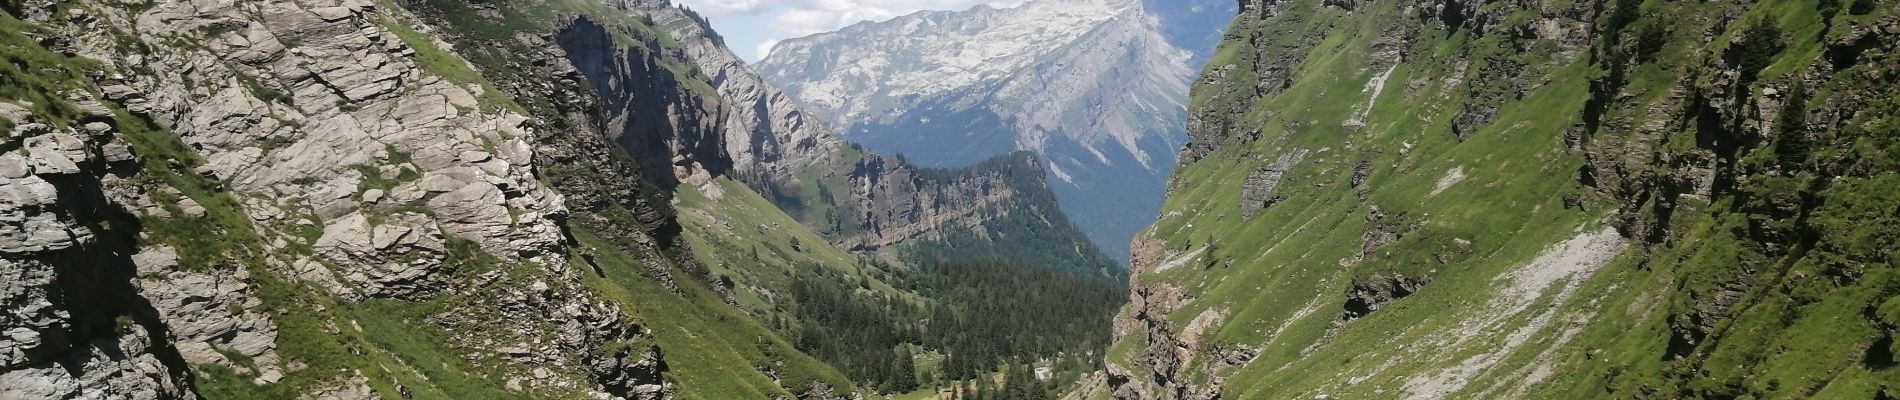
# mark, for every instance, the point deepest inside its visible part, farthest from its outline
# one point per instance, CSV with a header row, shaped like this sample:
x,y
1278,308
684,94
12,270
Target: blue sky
x,y
753,26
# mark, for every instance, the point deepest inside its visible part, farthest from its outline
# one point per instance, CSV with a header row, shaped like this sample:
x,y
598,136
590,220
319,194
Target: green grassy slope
x,y
714,351
740,235
1473,216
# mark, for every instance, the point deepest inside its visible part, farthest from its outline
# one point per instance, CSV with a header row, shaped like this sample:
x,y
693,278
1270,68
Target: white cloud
x,y
800,18
758,25
725,8
765,49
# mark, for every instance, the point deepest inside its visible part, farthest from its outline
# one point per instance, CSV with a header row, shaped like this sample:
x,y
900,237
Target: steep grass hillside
x,y
1511,199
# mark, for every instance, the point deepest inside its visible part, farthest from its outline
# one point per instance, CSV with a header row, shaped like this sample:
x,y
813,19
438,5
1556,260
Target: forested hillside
x,y
894,327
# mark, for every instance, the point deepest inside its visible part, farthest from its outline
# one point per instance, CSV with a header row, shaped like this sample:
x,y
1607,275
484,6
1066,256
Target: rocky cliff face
x,y
299,145
323,200
1096,88
674,130
1522,200
76,322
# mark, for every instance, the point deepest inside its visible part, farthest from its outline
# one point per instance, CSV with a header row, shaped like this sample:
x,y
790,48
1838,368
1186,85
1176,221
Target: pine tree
x,y
1791,147
906,370
1756,49
1020,381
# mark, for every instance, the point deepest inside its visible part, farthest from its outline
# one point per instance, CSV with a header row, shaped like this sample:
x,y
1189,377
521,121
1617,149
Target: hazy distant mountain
x,y
1098,87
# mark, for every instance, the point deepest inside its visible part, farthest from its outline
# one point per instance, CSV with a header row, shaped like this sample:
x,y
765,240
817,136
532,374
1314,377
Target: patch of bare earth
x,y
1564,266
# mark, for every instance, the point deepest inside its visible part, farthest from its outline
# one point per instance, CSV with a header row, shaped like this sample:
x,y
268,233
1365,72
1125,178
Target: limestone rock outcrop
x,y
310,146
1257,192
77,320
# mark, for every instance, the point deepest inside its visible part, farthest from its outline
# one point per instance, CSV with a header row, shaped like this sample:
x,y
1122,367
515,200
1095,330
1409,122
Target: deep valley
x,y
1051,199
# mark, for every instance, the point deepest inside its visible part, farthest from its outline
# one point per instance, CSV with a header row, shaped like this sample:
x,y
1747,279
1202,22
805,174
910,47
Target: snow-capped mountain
x,y
1097,87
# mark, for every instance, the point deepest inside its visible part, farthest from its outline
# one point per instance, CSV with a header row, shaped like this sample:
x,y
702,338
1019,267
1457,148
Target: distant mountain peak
x,y
926,54
1098,87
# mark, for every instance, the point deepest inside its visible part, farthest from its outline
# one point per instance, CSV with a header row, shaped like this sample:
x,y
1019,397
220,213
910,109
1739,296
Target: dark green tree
x,y
1755,50
1791,146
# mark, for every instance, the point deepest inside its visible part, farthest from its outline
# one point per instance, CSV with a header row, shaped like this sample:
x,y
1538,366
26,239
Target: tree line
x,y
981,317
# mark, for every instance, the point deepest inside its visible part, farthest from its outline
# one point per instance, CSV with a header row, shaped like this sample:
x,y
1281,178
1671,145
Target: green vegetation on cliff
x,y
1523,200
703,338
1021,236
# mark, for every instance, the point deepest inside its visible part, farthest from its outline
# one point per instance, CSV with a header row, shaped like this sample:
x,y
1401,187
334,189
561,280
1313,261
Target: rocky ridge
x,y
893,65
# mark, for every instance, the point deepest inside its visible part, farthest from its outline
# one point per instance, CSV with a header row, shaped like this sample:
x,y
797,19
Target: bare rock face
x,y
636,375
124,366
1168,351
76,324
359,130
31,227
360,168
901,202
690,144
209,313
400,254
767,131
1382,229
354,387
31,314
1257,192
1372,294
1160,372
